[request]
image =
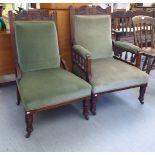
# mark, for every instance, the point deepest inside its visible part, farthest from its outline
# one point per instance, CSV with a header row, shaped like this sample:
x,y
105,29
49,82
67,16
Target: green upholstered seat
x,y
93,32
37,45
42,88
110,74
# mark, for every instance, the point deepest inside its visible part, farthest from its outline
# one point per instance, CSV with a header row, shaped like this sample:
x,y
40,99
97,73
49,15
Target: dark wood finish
x,y
86,106
29,121
139,6
18,96
127,56
33,5
142,92
1,10
144,30
85,63
122,23
6,55
38,15
93,103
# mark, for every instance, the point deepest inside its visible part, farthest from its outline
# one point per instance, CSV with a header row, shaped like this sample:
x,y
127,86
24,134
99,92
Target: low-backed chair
x,y
41,83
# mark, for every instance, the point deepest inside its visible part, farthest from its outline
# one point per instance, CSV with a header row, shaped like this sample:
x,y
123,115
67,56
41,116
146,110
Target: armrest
x,y
123,47
83,52
127,46
82,59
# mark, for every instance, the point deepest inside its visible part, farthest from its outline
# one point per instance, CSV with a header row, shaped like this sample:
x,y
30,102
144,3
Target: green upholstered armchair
x,y
100,61
41,83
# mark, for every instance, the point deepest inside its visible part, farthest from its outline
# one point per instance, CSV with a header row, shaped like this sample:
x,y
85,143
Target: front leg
x,y
86,105
18,96
93,104
142,93
29,121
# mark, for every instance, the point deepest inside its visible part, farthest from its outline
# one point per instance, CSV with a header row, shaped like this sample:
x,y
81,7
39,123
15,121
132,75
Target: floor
x,y
121,124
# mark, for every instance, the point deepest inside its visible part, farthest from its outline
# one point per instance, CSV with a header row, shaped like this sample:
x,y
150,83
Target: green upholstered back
x,y
93,32
37,45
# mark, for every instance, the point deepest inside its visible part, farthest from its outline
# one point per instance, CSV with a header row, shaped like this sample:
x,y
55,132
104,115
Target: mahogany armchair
x,y
100,61
41,83
144,37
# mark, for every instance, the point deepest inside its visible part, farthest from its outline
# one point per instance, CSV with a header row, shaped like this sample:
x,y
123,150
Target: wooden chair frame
x,y
85,63
122,25
145,37
39,15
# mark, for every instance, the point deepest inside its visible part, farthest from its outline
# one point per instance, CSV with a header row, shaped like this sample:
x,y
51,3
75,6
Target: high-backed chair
x,y
41,83
144,37
94,59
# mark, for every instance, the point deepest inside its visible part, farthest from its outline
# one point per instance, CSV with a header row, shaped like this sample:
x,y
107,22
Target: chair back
x,y
35,40
144,27
91,28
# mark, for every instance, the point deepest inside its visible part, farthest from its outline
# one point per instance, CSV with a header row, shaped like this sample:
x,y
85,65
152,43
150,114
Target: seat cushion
x,y
37,45
109,74
51,87
93,32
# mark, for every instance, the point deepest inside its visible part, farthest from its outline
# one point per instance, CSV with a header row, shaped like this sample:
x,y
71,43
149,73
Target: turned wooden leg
x,y
149,66
93,104
18,96
28,120
145,63
86,105
142,92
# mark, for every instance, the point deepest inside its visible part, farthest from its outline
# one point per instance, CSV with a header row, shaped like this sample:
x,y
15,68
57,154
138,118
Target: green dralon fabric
x,y
127,46
37,45
81,50
93,32
109,74
48,87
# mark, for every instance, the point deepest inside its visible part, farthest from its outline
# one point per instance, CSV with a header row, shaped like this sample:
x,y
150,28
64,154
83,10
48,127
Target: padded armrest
x,y
127,46
83,52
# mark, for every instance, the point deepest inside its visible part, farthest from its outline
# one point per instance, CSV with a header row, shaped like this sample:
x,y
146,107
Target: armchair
x,y
41,83
100,61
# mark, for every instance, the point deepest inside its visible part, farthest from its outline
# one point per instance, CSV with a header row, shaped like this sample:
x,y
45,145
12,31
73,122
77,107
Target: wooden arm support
x,y
83,63
128,57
